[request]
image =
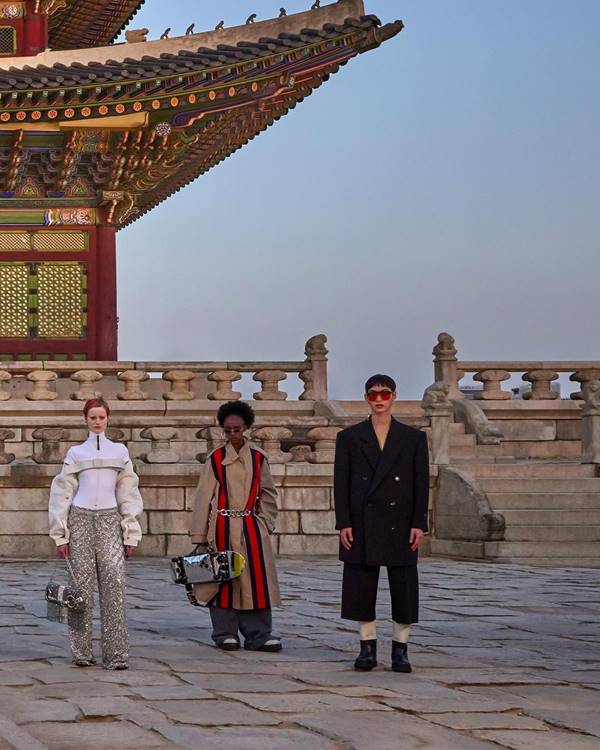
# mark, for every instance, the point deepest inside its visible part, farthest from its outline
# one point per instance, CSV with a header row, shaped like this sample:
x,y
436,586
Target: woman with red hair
x,y
94,508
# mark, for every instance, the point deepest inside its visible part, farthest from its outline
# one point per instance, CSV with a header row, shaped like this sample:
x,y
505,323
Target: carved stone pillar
x,y
161,450
44,385
583,377
269,380
6,458
324,452
5,377
540,385
86,380
180,385
271,438
445,364
307,377
316,356
133,380
438,408
224,380
215,438
51,451
491,379
590,423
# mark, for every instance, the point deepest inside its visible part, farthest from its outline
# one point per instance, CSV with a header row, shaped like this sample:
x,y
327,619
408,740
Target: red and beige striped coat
x,y
238,481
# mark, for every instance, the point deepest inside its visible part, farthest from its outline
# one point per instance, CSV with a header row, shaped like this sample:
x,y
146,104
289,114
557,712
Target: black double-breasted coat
x,y
382,495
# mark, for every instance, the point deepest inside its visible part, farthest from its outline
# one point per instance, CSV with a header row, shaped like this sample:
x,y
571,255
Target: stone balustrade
x,y
172,381
449,369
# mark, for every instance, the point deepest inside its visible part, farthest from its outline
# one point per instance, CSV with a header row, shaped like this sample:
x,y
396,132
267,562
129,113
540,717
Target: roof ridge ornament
x,y
49,7
251,19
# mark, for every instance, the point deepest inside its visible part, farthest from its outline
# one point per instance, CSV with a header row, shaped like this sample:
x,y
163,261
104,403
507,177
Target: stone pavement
x,y
505,656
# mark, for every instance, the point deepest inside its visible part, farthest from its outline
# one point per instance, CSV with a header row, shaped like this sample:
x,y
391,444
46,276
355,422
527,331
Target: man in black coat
x,y
381,486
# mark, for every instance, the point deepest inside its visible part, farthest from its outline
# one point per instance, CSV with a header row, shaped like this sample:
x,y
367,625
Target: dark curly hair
x,y
237,409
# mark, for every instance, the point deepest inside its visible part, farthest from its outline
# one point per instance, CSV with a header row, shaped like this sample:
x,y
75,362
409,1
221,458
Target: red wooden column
x,y
106,293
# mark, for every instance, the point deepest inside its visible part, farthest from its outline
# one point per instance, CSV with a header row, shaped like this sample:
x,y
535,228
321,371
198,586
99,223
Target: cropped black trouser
x,y
359,592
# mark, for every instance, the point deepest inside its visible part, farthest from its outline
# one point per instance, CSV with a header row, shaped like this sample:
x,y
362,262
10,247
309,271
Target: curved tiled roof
x,y
89,23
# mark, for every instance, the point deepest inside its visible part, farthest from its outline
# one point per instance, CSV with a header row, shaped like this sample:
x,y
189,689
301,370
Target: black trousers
x,y
359,592
254,624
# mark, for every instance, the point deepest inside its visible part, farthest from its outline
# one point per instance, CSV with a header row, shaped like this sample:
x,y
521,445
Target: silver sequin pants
x,y
97,558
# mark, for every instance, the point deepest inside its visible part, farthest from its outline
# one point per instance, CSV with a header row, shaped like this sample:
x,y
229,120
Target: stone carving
x,y
271,438
220,26
590,423
462,510
135,36
44,385
251,19
214,437
6,458
583,377
307,377
316,356
324,438
300,453
476,422
115,434
491,380
438,407
86,380
446,363
540,384
190,29
166,32
436,396
161,450
180,385
270,388
51,451
133,388
224,380
5,377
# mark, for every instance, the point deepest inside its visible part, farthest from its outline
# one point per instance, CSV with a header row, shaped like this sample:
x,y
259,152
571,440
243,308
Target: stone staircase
x,y
551,508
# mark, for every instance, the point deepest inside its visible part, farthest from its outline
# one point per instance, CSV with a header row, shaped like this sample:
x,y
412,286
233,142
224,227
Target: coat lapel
x,y
393,446
369,444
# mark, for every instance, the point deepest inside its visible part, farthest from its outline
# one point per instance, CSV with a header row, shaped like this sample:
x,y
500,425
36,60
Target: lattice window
x,y
14,300
17,241
8,40
65,242
61,300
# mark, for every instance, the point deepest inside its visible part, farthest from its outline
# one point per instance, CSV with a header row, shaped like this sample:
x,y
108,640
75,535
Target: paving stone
x,y
245,739
99,735
304,702
500,720
213,713
552,740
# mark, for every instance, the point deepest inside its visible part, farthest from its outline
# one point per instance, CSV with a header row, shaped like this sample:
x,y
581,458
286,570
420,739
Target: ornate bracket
x,y
122,205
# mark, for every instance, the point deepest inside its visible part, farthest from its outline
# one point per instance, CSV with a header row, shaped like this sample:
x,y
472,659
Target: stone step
x,y
511,550
569,450
462,452
544,501
548,485
457,428
462,439
550,517
552,562
476,550
546,534
534,469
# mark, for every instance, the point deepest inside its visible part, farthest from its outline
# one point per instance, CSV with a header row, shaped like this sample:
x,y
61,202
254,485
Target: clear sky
x,y
447,181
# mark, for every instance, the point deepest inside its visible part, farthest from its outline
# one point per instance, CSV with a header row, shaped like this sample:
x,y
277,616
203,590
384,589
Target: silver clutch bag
x,y
60,600
207,567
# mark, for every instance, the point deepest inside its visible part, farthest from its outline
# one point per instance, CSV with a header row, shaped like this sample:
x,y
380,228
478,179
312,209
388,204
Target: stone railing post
x,y
271,438
215,438
300,453
133,380
86,380
6,458
269,380
445,364
44,385
161,451
180,385
324,452
51,438
224,380
583,377
316,357
5,377
590,423
491,379
540,384
438,408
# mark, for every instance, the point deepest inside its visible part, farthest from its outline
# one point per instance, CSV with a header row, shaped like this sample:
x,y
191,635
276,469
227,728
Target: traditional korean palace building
x,y
95,134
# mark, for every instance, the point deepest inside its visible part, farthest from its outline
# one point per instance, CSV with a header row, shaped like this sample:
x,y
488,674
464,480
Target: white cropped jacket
x,y
96,453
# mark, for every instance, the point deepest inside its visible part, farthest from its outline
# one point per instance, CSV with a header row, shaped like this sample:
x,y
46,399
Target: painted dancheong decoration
x,y
95,134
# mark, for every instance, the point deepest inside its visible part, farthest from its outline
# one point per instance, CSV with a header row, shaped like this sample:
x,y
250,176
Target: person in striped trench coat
x,y
235,509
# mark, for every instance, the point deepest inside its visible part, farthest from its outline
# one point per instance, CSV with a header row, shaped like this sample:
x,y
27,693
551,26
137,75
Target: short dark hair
x,y
380,379
237,409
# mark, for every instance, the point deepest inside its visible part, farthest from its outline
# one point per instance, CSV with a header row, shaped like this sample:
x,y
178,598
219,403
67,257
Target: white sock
x,y
401,632
368,630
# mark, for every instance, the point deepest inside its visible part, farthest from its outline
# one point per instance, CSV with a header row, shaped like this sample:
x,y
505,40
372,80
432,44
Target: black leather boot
x,y
400,661
367,659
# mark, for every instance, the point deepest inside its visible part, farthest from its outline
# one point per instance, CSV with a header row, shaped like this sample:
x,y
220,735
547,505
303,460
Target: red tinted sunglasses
x,y
384,395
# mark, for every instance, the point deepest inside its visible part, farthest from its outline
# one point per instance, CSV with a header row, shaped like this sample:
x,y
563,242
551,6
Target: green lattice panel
x,y
61,300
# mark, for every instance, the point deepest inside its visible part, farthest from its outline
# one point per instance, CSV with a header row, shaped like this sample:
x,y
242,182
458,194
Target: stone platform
x,y
505,656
